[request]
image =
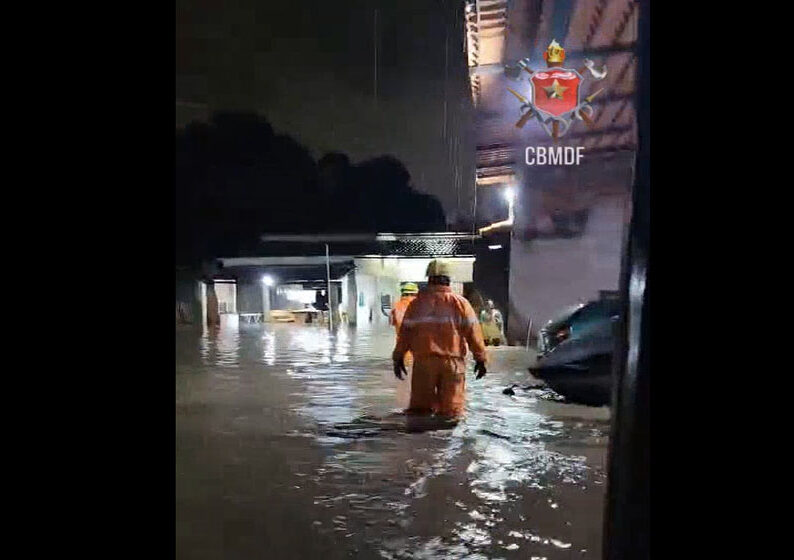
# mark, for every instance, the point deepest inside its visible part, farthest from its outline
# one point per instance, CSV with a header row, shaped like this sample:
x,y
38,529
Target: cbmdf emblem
x,y
556,93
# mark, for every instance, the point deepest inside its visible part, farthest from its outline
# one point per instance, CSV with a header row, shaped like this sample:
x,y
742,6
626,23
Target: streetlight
x,y
509,195
267,280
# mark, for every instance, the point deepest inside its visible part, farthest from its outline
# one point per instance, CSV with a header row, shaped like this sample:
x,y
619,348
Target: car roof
x,y
565,314
611,305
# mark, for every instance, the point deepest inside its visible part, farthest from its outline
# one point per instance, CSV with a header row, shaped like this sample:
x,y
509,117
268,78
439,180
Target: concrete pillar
x,y
193,307
202,297
333,303
352,299
266,294
213,314
188,298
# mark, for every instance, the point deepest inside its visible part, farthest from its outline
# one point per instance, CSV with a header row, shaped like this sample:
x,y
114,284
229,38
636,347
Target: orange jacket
x,y
398,312
440,323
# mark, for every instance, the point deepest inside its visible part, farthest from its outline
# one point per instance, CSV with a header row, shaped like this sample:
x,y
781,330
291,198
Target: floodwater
x,y
287,446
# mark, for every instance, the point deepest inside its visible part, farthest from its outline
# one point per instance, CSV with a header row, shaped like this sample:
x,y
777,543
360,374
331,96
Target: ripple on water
x,y
263,400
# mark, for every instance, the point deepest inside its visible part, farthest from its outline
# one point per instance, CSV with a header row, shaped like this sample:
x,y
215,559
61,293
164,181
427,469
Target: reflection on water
x,y
263,469
220,347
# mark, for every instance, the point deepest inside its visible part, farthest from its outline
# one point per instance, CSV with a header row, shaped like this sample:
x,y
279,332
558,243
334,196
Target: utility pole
x,y
328,279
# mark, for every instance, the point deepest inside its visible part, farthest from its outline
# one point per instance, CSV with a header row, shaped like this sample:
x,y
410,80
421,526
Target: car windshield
x,y
565,314
595,310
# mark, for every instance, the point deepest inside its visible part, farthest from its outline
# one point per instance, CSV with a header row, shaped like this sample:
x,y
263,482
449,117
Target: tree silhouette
x,y
235,179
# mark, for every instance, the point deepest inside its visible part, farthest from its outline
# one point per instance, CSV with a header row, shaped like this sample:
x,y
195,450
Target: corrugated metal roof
x,y
404,245
429,247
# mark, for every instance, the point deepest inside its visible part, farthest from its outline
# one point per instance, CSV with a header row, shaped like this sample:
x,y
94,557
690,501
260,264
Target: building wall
x,y
361,290
547,275
281,297
281,301
350,298
376,277
368,309
567,239
373,283
249,297
267,300
227,294
412,269
492,271
201,289
188,297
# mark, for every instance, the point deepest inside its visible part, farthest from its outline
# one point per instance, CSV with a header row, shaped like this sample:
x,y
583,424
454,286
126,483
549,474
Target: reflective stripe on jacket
x,y
440,323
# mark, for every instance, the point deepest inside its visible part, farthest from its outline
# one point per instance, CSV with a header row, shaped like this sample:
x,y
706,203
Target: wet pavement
x,y
288,446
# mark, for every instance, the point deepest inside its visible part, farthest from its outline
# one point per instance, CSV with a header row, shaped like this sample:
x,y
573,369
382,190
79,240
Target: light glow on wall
x,y
297,294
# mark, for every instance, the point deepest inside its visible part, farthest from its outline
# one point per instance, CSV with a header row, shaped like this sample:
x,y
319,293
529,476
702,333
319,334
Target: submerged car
x,y
575,352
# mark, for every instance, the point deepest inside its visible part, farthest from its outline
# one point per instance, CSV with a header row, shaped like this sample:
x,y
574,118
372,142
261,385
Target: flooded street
x,y
268,464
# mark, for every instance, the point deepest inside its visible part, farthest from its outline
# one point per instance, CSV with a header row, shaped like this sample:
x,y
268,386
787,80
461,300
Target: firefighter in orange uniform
x,y
408,291
438,328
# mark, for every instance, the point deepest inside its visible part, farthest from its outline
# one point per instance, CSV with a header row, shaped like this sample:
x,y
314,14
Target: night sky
x,y
308,67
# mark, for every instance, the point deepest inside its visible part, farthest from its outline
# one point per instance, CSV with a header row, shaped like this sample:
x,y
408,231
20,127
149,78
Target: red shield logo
x,y
555,90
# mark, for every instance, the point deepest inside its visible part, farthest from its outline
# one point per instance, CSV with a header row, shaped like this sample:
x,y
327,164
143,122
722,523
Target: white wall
x,y
267,295
227,293
350,297
411,269
293,296
202,295
249,297
547,275
376,276
367,300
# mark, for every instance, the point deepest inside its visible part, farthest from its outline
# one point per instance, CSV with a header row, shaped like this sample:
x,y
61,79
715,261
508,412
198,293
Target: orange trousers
x,y
438,384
